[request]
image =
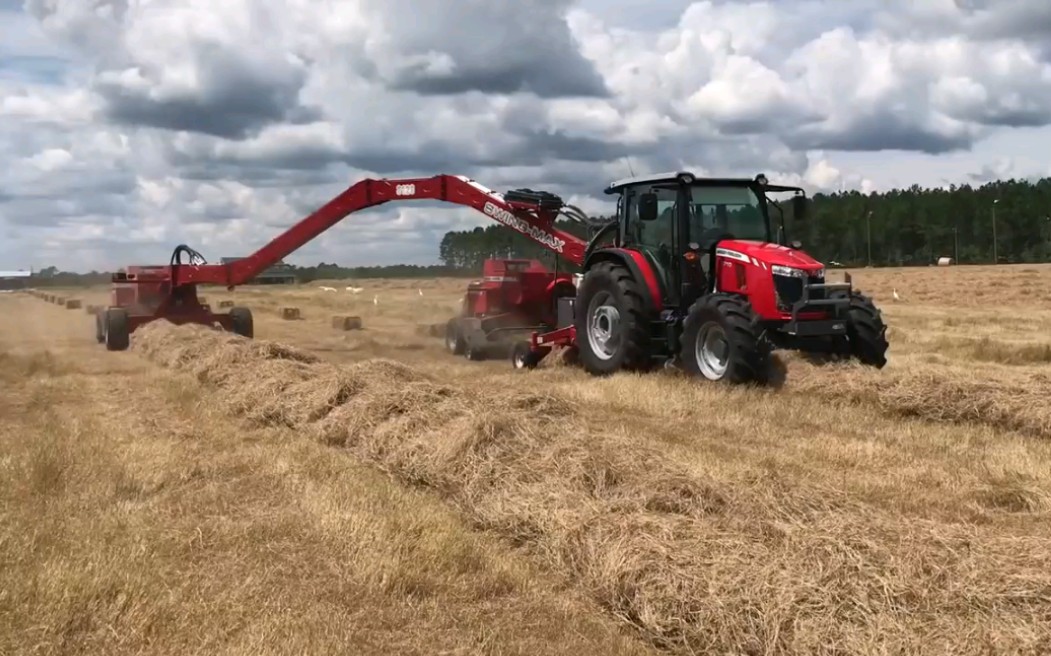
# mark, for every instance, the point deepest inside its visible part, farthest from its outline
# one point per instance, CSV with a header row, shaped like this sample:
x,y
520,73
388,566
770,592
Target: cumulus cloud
x,y
129,126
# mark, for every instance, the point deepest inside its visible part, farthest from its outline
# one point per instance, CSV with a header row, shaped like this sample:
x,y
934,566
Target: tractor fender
x,y
639,267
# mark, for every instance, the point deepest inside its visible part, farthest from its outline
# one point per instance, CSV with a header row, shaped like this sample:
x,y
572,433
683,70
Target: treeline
x,y
465,250
325,271
913,226
53,277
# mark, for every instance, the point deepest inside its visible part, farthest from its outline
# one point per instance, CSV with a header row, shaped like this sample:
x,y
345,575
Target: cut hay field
x,y
321,491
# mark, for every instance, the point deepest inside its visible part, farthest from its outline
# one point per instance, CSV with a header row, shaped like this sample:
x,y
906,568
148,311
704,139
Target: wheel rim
x,y
520,359
712,351
603,327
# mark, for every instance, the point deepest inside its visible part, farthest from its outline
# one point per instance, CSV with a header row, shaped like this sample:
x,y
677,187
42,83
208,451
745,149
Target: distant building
x,y
279,274
15,280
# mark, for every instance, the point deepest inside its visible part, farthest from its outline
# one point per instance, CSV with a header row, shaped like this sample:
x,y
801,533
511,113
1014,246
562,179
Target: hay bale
x,y
91,309
73,304
430,329
344,322
202,300
60,300
226,304
290,313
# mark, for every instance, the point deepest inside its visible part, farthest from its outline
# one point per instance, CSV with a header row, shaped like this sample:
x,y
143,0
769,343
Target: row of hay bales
x,y
58,299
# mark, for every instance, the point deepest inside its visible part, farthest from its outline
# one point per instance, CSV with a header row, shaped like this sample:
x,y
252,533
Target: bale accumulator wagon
x,y
693,272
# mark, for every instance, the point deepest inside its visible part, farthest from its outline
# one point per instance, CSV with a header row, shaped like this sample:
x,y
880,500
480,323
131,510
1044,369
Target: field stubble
x,y
852,511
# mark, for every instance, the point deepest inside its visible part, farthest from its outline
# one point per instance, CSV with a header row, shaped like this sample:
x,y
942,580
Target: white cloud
x,y
129,126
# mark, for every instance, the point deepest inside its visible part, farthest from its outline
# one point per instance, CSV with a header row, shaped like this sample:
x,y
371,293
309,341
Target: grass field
x,y
320,491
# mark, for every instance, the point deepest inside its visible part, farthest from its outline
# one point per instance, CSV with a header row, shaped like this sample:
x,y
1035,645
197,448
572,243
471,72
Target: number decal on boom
x,y
405,190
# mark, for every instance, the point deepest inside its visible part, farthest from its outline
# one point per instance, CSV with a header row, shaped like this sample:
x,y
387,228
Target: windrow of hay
x,y
1016,401
693,565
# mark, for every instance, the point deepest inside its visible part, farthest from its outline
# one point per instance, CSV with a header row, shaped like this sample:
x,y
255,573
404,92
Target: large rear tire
x,y
117,335
722,341
866,332
611,321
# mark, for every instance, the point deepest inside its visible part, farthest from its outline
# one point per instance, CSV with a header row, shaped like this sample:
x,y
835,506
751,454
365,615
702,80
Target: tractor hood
x,y
771,254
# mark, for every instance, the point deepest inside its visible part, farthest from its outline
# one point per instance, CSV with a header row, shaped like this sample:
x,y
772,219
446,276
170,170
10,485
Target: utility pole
x,y
868,231
955,245
996,259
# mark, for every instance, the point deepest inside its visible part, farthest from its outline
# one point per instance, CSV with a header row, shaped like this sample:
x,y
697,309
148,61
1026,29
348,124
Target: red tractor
x,y
696,277
693,272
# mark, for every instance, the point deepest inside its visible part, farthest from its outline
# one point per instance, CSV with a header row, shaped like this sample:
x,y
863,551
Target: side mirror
x,y
800,208
648,207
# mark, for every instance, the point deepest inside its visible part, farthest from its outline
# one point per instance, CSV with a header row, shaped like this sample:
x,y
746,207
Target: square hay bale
x,y
344,322
202,300
91,309
430,329
73,304
60,300
226,304
290,313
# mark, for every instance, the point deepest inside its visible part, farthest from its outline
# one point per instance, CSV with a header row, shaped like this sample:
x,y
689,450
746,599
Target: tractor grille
x,y
790,290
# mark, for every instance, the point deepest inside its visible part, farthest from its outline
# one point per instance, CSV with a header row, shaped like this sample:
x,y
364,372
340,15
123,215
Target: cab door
x,y
658,240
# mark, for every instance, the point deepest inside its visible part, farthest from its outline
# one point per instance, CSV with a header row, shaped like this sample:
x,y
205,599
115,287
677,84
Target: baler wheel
x,y
117,335
242,323
474,351
524,357
454,341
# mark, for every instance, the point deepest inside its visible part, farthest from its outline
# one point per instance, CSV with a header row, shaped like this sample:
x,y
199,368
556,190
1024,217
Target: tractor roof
x,y
669,176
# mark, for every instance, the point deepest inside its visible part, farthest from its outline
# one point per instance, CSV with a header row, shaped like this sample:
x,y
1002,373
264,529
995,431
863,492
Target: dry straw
x,y
696,566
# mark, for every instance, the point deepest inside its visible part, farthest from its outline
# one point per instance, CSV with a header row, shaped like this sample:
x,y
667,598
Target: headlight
x,y
791,272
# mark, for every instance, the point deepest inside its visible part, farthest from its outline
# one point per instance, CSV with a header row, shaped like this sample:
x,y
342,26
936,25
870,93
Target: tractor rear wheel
x,y
241,322
866,332
611,321
117,335
722,341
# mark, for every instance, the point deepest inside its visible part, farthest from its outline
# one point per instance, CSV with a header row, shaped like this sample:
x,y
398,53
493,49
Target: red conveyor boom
x,y
530,220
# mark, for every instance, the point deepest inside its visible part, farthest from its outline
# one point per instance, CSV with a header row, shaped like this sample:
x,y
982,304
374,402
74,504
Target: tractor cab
x,y
677,221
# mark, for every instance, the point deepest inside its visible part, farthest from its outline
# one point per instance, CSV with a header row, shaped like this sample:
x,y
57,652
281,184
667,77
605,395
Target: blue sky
x,y
128,126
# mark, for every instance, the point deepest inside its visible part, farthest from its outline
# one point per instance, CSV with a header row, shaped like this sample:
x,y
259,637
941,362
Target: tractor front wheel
x,y
722,341
611,321
117,336
866,332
